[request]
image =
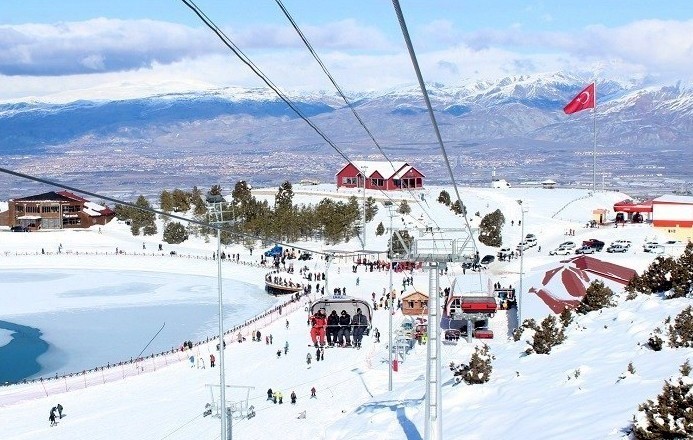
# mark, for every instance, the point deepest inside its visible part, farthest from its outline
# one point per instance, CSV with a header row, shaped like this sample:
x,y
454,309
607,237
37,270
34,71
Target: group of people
x,y
278,397
52,417
340,330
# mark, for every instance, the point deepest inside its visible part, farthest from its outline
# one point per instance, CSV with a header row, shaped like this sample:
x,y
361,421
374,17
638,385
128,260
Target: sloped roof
x,y
72,196
384,168
674,198
51,196
565,285
416,293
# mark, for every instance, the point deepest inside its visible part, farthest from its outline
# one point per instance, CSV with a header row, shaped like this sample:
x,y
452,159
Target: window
x,y
32,209
349,180
377,182
19,208
71,221
411,304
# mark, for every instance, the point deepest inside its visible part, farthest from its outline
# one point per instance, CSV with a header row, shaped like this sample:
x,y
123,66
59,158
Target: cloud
x,y
98,45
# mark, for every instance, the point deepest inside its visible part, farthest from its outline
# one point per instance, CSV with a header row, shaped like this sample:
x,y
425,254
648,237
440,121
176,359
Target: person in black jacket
x,y
332,328
343,337
359,323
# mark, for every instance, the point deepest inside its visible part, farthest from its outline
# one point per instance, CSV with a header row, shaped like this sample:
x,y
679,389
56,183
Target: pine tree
x,y
490,229
380,230
458,208
671,416
547,336
681,332
444,198
371,208
166,201
404,207
596,297
175,233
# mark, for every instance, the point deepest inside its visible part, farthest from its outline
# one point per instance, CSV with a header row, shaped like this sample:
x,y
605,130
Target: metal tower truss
x,y
435,249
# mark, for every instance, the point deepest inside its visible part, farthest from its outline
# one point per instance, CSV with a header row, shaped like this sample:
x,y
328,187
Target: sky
x,y
163,46
583,389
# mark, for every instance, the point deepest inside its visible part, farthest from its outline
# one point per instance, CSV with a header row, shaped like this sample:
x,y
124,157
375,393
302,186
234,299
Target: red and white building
x,y
384,176
674,214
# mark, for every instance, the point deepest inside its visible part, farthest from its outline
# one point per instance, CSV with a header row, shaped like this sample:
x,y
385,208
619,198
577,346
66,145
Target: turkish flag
x,y
582,101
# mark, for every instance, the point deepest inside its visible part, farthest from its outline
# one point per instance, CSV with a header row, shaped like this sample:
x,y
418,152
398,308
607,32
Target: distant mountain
x,y
522,110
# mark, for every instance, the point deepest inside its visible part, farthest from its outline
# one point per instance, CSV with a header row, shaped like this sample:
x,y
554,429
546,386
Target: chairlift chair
x,y
343,303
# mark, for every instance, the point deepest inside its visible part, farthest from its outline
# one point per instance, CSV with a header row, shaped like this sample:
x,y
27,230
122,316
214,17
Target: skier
x,y
377,335
317,332
60,411
308,359
211,360
280,396
271,340
51,417
317,354
279,353
293,398
312,393
287,323
269,394
286,347
359,324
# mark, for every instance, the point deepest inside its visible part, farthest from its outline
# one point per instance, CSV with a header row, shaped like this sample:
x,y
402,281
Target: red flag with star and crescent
x,y
582,101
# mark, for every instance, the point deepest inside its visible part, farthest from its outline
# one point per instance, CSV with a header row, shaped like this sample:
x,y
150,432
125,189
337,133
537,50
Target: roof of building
x,y
674,198
51,196
384,168
415,293
72,196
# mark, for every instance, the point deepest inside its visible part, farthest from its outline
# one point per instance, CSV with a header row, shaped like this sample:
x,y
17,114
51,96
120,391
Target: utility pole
x,y
522,260
217,211
389,309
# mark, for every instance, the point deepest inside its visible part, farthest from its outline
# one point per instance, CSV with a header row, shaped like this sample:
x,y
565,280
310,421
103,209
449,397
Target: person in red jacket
x,y
319,323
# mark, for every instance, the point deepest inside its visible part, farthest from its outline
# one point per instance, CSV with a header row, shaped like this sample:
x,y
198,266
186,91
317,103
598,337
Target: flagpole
x,y
594,132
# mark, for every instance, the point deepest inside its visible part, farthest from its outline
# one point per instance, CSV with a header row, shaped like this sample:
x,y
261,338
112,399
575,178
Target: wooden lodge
x,y
54,210
415,304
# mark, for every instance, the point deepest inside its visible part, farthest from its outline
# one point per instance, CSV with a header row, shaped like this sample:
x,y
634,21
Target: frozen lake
x,y
89,318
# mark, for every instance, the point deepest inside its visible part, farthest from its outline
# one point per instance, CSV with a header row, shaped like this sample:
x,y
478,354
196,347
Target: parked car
x,y
567,244
19,229
522,246
561,251
488,259
616,249
598,245
531,241
504,252
625,243
586,250
306,256
647,247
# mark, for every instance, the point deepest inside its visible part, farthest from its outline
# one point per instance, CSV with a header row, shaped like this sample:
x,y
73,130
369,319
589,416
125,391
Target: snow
x,y
581,390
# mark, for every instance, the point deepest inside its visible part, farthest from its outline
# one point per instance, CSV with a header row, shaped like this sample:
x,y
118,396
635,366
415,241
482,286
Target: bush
x,y
681,333
380,229
547,335
596,297
566,317
655,342
479,368
671,416
673,277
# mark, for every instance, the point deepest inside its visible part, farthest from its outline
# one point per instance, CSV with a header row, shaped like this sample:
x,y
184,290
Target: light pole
x,y
389,308
522,261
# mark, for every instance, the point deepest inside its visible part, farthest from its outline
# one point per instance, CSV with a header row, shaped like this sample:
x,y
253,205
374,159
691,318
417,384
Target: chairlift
x,y
339,303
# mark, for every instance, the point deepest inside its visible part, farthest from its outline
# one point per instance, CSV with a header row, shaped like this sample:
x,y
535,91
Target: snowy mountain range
x,y
123,137
522,109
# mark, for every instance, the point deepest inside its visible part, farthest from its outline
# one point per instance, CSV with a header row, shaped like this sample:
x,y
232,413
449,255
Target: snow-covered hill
x,y
583,389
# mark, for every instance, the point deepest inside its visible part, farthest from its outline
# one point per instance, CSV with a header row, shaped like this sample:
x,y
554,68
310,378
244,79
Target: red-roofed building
x,y
384,176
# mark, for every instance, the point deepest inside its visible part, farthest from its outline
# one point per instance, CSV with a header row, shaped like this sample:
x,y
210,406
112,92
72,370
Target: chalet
x,y
54,210
386,176
414,304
